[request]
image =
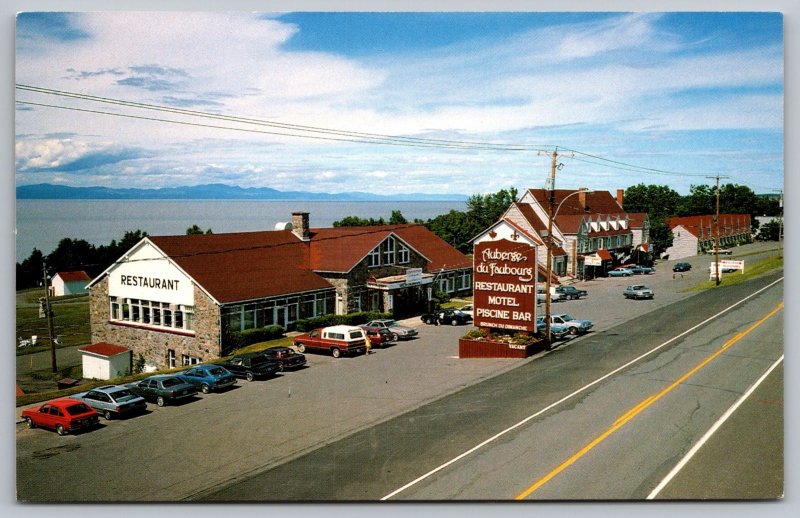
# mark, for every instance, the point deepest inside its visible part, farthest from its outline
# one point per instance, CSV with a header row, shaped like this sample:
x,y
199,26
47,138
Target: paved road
x,y
377,461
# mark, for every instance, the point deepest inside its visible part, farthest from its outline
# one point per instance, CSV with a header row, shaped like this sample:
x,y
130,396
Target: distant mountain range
x,y
46,191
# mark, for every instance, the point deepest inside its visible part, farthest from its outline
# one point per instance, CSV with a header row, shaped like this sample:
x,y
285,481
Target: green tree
x,y
195,230
71,254
355,221
488,208
457,228
397,218
29,272
655,200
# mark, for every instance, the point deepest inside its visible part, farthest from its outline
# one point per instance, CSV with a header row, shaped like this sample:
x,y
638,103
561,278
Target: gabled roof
x,y
339,249
73,276
597,202
244,266
104,349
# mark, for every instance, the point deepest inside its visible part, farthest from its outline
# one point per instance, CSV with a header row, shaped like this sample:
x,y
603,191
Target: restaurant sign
x,y
505,285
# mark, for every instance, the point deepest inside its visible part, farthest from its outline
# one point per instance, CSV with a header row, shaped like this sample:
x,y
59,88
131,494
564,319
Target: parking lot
x,y
254,426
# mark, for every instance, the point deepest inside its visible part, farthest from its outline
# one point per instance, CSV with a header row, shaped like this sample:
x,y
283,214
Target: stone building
x,y
173,299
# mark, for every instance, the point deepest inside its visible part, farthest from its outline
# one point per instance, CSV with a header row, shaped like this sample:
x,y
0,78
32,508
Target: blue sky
x,y
628,98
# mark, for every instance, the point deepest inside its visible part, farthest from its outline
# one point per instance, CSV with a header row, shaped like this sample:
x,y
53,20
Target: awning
x,y
604,254
398,282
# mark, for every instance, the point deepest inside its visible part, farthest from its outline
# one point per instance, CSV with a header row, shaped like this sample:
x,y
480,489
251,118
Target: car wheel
x,y
573,330
60,430
108,414
30,423
160,401
395,337
336,352
205,388
454,322
249,376
301,348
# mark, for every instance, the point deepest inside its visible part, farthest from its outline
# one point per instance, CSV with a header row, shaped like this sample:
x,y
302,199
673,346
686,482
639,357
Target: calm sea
x,y
43,223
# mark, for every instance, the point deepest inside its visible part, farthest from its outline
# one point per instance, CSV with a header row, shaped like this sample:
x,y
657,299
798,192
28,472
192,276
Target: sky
x,y
400,103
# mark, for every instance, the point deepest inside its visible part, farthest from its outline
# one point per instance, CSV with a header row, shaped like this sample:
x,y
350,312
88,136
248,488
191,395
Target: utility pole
x,y
716,231
552,186
49,314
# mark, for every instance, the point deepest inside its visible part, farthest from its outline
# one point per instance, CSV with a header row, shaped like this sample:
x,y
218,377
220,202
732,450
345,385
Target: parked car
x,y
446,316
380,337
467,310
163,389
555,295
571,292
638,269
720,251
337,340
64,415
557,331
681,267
575,325
209,377
401,332
638,291
252,365
288,357
620,272
113,401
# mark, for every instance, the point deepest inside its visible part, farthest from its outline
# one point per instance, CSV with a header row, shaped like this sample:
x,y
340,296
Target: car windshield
x,y
567,318
216,371
390,323
77,409
171,382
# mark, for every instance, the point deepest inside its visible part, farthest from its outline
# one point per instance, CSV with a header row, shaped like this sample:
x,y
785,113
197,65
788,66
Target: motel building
x,y
174,300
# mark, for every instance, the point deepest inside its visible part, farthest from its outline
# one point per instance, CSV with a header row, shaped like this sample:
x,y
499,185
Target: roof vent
x,y
283,225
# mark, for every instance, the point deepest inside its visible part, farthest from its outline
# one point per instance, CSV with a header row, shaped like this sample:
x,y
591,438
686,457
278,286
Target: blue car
x,y
620,272
208,377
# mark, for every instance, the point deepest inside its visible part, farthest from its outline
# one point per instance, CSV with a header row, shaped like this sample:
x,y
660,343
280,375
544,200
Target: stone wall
x,y
153,344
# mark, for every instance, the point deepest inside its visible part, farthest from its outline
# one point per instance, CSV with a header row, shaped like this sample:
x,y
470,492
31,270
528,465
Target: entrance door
x,y
280,316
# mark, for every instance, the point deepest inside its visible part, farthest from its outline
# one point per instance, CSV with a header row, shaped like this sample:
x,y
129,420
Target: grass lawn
x,y
70,320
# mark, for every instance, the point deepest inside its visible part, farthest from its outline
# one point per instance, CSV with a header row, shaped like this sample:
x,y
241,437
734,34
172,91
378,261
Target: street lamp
x,y
550,217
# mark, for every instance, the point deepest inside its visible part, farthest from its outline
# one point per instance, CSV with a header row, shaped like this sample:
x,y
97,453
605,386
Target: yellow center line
x,y
636,410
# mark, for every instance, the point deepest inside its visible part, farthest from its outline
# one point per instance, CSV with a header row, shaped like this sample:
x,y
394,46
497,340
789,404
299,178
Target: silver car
x,y
401,332
113,400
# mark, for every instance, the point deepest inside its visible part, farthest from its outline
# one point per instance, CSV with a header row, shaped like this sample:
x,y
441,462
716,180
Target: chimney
x,y
582,197
620,196
300,225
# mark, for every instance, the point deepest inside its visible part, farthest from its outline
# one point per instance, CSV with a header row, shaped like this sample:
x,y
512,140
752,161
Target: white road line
x,y
685,460
573,394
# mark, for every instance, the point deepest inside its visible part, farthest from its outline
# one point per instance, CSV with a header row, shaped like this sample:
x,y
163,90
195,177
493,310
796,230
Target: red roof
x,y
729,224
73,276
104,349
244,266
604,254
597,202
340,249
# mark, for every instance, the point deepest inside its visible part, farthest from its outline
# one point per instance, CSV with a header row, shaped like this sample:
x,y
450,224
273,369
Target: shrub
x,y
350,319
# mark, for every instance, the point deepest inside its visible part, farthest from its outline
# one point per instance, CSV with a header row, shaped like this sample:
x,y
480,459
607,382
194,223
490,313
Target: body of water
x,y
43,223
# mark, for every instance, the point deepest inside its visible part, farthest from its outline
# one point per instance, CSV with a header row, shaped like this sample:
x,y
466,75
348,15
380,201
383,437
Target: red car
x,y
65,415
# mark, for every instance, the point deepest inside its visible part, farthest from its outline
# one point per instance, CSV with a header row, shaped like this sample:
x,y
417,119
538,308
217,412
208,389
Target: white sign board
x,y
592,260
148,275
413,276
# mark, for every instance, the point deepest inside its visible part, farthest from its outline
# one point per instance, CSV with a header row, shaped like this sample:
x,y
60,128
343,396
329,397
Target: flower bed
x,y
481,344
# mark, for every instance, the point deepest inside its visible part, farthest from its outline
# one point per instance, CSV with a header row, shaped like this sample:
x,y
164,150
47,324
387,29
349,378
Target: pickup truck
x,y
571,292
338,340
720,251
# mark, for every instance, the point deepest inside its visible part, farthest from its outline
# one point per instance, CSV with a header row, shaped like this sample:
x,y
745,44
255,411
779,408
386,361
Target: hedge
x,y
350,319
240,339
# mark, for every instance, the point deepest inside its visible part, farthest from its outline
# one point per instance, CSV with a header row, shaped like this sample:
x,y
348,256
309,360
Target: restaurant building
x,y
173,300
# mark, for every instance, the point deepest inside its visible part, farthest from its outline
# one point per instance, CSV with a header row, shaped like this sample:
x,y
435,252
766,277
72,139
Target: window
x,y
374,257
171,358
388,251
151,313
403,254
189,360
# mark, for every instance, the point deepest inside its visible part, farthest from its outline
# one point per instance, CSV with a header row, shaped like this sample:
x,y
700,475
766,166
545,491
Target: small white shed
x,y
69,283
104,361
